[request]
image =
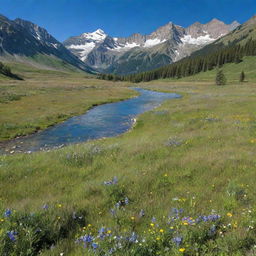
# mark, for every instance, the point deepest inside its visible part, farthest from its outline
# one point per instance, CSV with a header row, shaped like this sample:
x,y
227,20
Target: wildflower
x,y
132,218
126,201
133,238
1,220
109,231
95,246
229,214
161,231
59,205
152,225
158,238
177,240
165,175
153,219
45,207
182,250
58,218
12,235
89,225
7,213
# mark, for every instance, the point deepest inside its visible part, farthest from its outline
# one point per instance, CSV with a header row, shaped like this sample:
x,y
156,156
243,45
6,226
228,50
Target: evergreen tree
x,y
220,78
242,76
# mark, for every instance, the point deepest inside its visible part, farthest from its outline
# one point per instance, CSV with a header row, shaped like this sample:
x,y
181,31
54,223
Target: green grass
x,y
47,97
195,153
231,71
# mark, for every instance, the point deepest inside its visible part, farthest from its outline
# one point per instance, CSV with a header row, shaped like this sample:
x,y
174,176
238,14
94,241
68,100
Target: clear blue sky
x,y
64,18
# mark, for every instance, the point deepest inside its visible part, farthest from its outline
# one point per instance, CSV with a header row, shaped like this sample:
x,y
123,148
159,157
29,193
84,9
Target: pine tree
x,y
220,78
242,76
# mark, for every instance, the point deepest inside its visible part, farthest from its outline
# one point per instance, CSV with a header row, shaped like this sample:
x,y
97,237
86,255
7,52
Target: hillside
x,y
25,42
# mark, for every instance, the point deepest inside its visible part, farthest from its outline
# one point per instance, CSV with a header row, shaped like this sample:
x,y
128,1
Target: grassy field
x,y
232,72
196,154
47,97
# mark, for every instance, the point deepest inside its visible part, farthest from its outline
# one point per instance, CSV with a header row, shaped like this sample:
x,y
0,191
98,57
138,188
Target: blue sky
x,y
64,18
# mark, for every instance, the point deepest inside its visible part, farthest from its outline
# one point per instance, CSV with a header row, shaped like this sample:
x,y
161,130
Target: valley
x,y
177,181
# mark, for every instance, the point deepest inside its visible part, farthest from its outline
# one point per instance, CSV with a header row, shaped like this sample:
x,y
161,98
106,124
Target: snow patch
x,y
126,46
55,45
153,42
84,49
201,40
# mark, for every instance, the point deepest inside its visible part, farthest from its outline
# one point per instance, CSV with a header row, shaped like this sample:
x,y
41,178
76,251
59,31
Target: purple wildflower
x,y
12,235
177,240
45,207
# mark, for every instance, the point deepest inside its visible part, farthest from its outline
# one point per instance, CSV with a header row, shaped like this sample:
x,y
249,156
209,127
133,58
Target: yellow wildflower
x,y
229,214
161,231
109,231
59,205
132,218
1,220
89,225
152,224
158,238
182,250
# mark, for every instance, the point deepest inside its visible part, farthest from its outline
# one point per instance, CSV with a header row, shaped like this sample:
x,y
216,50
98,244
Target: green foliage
x,y
220,78
193,65
30,233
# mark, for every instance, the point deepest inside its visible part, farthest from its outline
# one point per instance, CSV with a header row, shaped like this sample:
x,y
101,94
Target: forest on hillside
x,y
192,65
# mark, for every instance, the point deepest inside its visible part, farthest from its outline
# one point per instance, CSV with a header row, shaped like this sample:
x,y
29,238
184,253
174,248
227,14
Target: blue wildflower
x,y
177,240
7,213
95,246
133,238
126,201
12,235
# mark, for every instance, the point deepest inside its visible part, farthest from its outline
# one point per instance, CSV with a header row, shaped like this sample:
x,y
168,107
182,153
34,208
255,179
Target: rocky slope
x,y
138,52
23,40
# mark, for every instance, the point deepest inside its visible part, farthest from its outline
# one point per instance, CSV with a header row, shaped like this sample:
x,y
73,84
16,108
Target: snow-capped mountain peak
x,y
168,43
98,35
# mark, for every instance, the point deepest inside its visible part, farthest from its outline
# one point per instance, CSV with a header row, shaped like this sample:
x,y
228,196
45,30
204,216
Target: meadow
x,y
47,97
181,182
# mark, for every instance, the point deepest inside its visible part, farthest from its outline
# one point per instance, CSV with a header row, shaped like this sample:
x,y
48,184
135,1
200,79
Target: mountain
x,y
235,47
138,53
24,41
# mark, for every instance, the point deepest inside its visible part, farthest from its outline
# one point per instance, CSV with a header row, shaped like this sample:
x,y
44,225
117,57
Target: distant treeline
x,y
5,70
192,65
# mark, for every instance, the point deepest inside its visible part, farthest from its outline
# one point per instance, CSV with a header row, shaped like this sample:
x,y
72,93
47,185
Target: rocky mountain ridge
x,y
20,39
137,52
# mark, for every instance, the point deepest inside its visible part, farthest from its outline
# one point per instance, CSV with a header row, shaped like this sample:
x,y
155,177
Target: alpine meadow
x,y
113,143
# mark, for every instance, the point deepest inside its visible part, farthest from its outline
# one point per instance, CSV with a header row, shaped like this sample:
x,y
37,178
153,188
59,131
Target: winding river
x,y
106,120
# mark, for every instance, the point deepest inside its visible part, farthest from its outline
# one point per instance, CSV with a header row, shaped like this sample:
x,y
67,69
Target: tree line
x,y
192,65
